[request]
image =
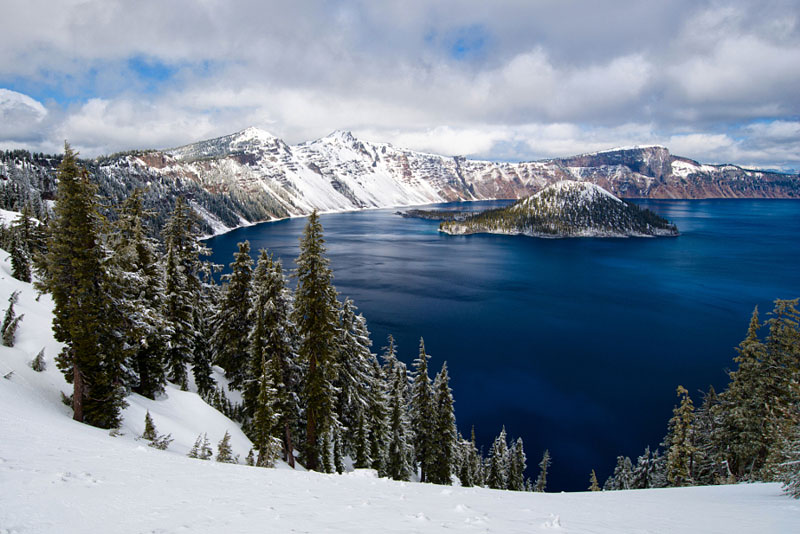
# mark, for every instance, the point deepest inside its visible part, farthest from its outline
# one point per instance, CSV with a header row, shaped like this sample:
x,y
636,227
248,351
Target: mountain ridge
x,y
252,176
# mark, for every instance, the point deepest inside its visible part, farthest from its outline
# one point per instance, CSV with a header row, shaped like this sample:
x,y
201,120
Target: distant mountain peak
x,y
254,133
345,136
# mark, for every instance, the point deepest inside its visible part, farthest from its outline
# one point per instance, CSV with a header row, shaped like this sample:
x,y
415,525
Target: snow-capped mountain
x,y
252,176
567,209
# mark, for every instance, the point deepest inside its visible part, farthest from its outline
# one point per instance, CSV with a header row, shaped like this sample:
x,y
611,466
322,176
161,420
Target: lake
x,y
575,345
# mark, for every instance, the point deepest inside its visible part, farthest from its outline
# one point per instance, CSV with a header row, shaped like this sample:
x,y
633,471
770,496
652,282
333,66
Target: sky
x,y
716,81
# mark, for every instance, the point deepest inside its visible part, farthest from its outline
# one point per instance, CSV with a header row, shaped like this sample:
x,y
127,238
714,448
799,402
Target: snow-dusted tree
x,y
201,448
182,290
790,468
11,321
274,337
315,314
622,479
20,260
541,481
356,383
470,462
399,449
445,434
224,451
680,456
648,471
709,466
151,434
497,475
39,364
516,466
266,420
231,325
75,278
593,486
135,282
422,413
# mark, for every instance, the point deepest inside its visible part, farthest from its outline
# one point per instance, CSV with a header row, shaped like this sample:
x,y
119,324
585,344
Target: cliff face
x,y
252,175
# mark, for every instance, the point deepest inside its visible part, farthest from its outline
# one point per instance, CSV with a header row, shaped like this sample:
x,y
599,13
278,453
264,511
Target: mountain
x,y
566,209
252,176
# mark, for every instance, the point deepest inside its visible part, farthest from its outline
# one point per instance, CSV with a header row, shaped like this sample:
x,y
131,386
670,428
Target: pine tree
x,y
75,278
326,451
338,451
790,468
422,413
709,467
593,486
541,480
265,421
205,449
224,451
195,450
149,433
443,453
497,476
517,466
782,380
39,364
399,451
20,262
274,337
356,383
10,321
315,315
742,437
135,283
232,324
181,290
680,456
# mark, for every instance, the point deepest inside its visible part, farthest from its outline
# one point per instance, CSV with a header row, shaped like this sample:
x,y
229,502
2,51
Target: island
x,y
566,209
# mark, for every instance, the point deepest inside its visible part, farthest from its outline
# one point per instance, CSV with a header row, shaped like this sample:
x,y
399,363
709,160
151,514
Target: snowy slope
x,y
57,475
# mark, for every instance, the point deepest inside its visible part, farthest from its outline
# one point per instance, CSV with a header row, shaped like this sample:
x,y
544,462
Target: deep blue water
x,y
575,345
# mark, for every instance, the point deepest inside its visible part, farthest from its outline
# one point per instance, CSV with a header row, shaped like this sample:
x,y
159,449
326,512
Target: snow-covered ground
x,y
57,475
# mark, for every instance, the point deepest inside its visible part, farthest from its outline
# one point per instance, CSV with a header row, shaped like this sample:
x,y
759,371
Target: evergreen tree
x,y
224,451
338,451
399,450
327,451
680,456
790,469
232,324
135,283
422,414
20,262
265,421
544,465
315,315
182,289
39,364
443,452
649,471
356,384
10,321
709,466
274,337
75,278
149,433
593,486
195,450
743,437
517,466
497,476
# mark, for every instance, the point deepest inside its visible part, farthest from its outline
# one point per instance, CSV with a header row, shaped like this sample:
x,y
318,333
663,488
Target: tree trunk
x,y
289,447
77,393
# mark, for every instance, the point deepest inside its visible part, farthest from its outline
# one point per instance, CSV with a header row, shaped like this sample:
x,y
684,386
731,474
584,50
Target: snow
x,y
57,475
7,218
684,168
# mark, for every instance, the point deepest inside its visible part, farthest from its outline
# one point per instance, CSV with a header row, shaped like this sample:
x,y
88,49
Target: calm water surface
x,y
575,345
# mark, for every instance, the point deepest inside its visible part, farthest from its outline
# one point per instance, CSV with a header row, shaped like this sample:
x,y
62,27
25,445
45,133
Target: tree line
x,y
750,432
135,312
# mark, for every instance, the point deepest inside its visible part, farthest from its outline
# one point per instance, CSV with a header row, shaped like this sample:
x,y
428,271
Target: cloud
x,y
508,80
20,117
